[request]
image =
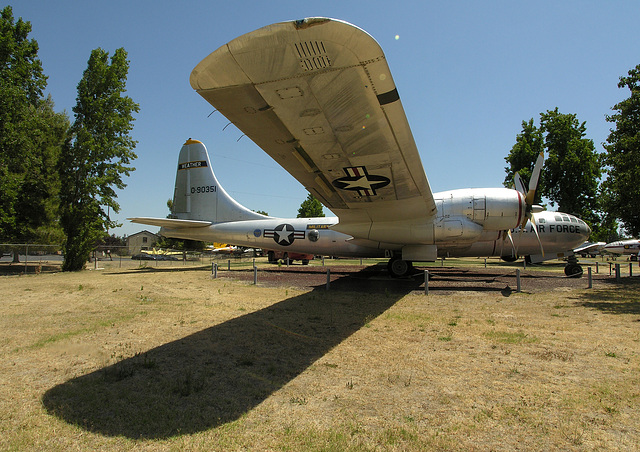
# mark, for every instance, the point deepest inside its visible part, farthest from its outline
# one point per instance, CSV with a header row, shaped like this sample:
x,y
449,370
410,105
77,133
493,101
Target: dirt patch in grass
x,y
171,358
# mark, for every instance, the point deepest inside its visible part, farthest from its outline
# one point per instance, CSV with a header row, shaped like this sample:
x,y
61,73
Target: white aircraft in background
x,y
589,249
631,246
318,97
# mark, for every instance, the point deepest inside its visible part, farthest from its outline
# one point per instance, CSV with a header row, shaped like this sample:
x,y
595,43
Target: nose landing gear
x,y
573,269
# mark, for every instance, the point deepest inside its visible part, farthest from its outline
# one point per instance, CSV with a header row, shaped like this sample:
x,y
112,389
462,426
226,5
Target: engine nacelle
x,y
492,208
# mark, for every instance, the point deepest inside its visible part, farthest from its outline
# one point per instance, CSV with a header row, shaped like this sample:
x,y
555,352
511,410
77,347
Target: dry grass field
x,y
171,359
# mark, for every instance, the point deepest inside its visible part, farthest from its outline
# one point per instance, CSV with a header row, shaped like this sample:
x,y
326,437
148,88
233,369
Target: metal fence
x,y
30,255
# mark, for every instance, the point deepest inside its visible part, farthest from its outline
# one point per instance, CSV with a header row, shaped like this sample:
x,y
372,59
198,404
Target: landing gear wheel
x,y
509,258
398,267
573,270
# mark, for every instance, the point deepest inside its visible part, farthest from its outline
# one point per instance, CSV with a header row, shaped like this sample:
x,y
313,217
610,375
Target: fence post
x,y
328,277
590,280
617,272
255,275
214,270
426,282
518,280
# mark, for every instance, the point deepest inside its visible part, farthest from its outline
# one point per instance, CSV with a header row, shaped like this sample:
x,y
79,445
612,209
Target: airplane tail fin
x,y
198,195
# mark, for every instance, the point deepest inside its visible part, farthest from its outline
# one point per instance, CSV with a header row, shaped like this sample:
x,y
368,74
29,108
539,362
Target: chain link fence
x,y
34,258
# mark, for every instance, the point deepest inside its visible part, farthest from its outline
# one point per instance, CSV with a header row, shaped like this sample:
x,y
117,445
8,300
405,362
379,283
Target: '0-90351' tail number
x,y
204,189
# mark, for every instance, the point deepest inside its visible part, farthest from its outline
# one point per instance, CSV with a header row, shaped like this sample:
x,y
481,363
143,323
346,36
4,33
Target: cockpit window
x,y
565,218
574,220
541,220
558,218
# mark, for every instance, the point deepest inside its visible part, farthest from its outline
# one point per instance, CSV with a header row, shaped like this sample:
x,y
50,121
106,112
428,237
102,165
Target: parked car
x,y
153,257
274,256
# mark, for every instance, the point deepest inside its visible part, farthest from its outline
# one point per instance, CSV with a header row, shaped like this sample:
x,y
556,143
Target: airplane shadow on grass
x,y
216,375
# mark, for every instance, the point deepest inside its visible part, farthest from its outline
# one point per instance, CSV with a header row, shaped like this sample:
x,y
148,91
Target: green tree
x,y
621,190
523,155
31,135
572,167
96,155
310,207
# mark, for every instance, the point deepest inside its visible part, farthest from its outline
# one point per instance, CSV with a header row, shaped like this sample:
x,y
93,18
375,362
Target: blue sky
x,y
468,74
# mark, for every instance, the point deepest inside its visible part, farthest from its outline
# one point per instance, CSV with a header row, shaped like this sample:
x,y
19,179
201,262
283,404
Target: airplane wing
x,y
589,247
317,96
170,222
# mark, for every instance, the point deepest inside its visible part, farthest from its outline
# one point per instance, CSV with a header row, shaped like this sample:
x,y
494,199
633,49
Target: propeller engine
x,y
531,208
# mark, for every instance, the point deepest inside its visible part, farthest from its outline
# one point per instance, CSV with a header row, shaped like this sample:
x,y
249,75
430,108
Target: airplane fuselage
x,y
454,232
631,246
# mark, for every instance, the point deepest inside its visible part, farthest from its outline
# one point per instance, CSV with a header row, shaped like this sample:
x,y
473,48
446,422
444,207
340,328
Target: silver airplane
x,y
317,95
203,210
630,247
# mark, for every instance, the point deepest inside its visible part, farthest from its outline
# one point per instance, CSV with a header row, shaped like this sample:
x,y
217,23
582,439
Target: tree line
x,y
58,177
600,188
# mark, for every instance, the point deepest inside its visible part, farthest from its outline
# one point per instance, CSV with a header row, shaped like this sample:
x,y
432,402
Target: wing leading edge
x,y
317,96
170,222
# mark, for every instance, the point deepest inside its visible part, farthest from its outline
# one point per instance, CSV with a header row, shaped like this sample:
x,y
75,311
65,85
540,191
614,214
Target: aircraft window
x,y
558,218
565,218
574,220
542,220
581,222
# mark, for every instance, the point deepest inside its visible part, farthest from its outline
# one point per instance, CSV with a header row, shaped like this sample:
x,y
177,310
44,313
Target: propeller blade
x,y
535,229
535,178
519,185
522,226
514,251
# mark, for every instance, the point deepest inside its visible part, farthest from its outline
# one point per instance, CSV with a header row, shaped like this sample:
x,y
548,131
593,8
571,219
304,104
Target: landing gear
x,y
573,269
398,267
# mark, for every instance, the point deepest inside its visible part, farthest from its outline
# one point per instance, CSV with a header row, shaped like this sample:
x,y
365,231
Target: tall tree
x,y
310,207
96,156
572,167
621,189
522,157
31,135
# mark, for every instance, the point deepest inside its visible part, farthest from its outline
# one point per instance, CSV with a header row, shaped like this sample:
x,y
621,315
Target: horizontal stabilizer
x,y
170,222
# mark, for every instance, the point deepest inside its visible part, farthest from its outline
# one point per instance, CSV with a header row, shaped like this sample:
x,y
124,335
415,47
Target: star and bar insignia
x,y
283,234
358,179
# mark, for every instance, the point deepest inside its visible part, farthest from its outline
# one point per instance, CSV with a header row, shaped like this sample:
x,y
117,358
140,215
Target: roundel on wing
x,y
358,179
